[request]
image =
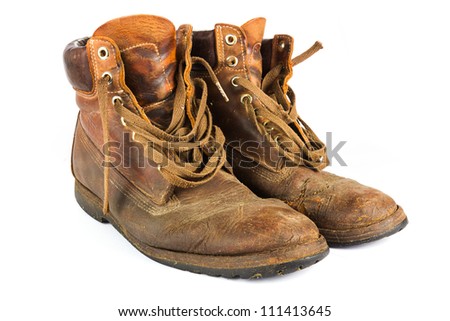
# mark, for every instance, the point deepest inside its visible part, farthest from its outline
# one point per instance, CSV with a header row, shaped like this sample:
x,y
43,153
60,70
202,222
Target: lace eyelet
x,y
117,99
133,136
233,81
107,75
232,61
276,139
122,120
265,123
103,53
230,39
281,45
248,97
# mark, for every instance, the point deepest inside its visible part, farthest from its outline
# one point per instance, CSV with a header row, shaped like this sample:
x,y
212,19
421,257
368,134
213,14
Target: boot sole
x,y
249,266
344,238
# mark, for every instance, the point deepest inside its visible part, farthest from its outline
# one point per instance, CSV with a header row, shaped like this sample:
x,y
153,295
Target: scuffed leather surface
x,y
160,113
266,53
221,217
253,31
231,116
76,64
202,43
148,50
282,51
332,202
144,175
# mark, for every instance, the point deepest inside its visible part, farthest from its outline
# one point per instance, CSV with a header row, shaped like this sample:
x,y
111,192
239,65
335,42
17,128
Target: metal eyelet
x,y
212,149
122,120
133,136
281,45
230,39
232,61
265,123
276,139
116,99
103,53
233,81
108,75
248,97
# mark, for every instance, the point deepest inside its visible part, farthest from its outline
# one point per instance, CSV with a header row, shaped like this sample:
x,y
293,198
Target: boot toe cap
x,y
243,228
266,226
348,204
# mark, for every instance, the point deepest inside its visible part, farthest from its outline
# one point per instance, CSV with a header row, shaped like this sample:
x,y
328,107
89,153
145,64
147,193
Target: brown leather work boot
x,y
272,150
147,159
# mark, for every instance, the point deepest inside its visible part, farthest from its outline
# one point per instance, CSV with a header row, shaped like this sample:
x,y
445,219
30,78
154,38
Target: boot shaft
x,y
148,51
101,56
260,122
138,57
234,52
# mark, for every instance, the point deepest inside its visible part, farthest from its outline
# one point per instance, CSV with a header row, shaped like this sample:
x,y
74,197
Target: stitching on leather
x,y
115,92
235,69
266,174
152,106
221,52
95,64
138,45
89,119
94,60
241,42
155,47
139,200
144,206
221,65
92,154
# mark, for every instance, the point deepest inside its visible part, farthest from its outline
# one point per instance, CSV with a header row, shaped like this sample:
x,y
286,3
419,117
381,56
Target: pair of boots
x,y
190,145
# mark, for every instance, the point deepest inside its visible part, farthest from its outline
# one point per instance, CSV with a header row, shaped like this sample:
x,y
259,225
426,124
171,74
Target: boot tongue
x,y
148,49
254,33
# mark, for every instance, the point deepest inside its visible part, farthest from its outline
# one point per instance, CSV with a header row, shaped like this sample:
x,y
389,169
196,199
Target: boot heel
x,y
89,202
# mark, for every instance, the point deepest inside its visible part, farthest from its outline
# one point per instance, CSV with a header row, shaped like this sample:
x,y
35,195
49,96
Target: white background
x,y
382,83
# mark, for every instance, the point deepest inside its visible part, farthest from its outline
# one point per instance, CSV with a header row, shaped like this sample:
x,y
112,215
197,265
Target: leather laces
x,y
189,152
277,118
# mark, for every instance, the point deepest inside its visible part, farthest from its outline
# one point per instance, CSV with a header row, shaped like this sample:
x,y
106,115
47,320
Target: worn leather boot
x,y
147,159
271,149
